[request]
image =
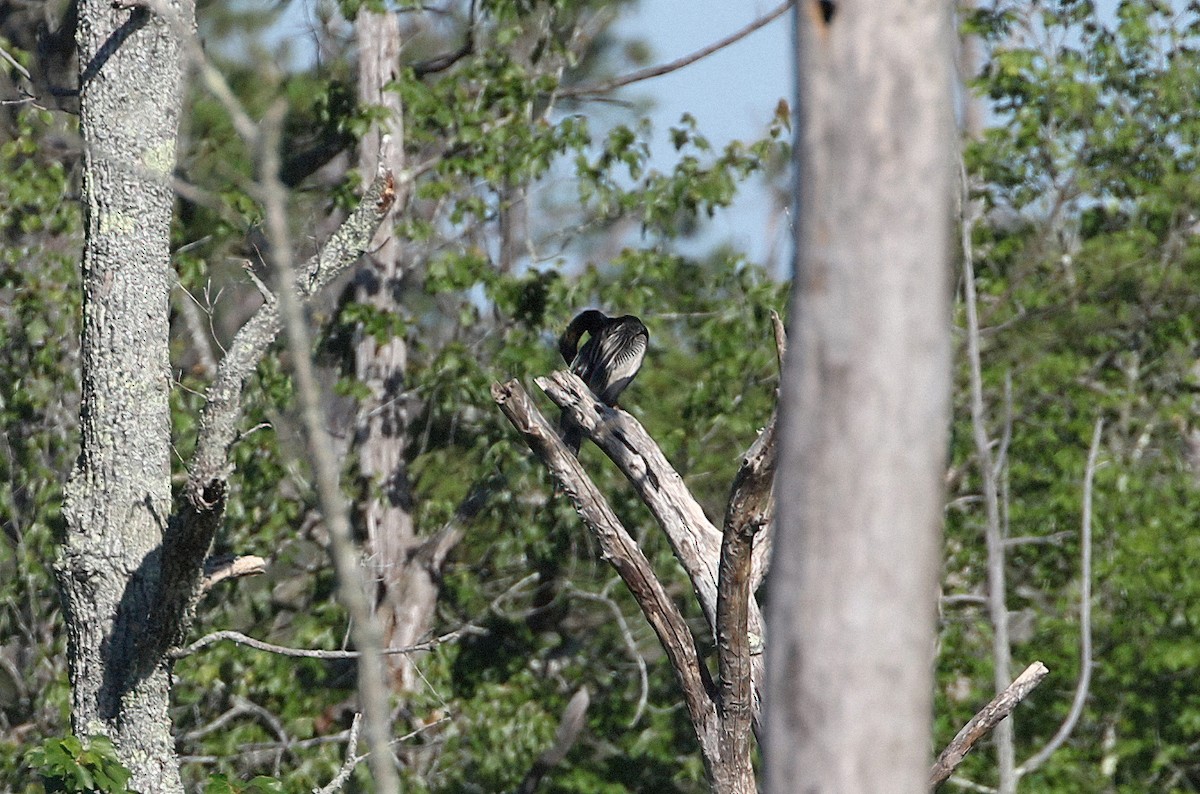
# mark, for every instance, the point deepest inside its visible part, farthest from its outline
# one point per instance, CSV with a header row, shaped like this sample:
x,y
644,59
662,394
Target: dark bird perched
x,y
607,362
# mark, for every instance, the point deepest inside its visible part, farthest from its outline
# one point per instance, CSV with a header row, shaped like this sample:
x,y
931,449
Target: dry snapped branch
x,y
988,717
693,537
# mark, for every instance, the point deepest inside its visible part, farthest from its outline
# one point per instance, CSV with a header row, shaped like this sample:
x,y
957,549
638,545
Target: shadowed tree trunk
x,y
865,402
118,497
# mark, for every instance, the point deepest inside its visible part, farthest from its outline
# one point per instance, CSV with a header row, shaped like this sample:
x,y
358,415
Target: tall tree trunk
x,y
118,497
865,403
406,579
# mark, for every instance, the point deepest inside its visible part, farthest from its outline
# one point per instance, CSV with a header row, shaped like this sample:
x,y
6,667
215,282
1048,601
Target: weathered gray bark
x,y
865,402
696,542
118,497
404,567
624,554
722,712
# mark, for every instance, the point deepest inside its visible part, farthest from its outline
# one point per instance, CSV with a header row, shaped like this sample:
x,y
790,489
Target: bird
x,y
608,361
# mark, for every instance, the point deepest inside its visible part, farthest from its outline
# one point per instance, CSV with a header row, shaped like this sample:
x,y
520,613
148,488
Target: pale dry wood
x,y
218,569
348,765
623,553
406,568
985,720
569,727
326,465
312,653
747,517
745,553
988,472
693,538
201,507
765,540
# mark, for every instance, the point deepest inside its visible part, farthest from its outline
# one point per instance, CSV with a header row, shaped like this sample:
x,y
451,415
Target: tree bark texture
x,y
405,572
865,402
118,498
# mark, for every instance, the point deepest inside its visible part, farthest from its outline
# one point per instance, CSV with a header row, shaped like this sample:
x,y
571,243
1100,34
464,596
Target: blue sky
x,y
732,93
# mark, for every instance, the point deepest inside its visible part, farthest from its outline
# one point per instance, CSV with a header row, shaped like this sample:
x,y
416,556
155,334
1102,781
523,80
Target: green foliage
x,y
1086,268
1088,272
71,765
221,784
39,327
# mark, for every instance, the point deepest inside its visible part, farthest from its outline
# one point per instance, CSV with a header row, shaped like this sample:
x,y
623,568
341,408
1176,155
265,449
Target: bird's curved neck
x,y
589,322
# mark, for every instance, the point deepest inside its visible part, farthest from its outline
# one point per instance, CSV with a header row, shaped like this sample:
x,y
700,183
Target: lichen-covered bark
x,y
118,497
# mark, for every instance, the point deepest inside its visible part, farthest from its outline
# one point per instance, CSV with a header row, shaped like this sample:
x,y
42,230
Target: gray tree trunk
x,y
118,497
865,402
406,579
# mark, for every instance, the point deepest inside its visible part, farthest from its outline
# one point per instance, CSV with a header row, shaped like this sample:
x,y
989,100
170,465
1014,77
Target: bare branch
x,y
765,540
780,339
747,518
751,505
627,635
14,63
215,82
1053,539
218,569
311,653
987,718
1085,616
746,515
189,309
564,738
997,598
693,538
201,507
348,765
624,555
678,63
351,588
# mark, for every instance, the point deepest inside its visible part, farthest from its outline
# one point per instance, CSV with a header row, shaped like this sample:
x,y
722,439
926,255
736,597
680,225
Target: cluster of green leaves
x,y
619,183
1087,269
72,765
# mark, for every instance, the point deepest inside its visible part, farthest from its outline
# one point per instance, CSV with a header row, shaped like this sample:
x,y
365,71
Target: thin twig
x,y
986,719
14,63
997,599
311,653
1054,539
1085,616
657,71
348,765
630,643
351,589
